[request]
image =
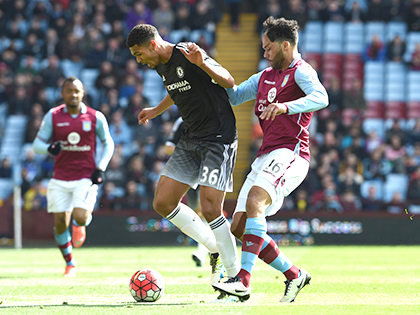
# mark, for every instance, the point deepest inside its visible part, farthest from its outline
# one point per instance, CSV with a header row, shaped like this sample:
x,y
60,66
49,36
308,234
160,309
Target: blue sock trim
x,y
63,238
88,220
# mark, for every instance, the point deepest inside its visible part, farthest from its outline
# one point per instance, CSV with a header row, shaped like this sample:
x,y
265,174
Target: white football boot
x,y
294,286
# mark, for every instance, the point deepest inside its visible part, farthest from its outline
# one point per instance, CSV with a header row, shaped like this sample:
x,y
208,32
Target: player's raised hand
x,y
145,115
194,54
272,110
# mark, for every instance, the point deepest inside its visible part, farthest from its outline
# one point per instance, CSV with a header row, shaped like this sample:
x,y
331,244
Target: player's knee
x,y
162,207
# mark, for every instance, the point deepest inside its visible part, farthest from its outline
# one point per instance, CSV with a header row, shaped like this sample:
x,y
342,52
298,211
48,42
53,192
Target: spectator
x,y
413,17
372,203
333,11
395,152
116,172
349,180
6,170
354,98
413,134
109,195
373,142
108,77
20,103
355,13
52,73
396,129
119,129
375,50
314,10
269,8
376,166
350,202
396,49
397,10
335,95
51,41
35,197
413,193
33,47
96,56
415,58
377,11
163,15
301,201
234,7
396,205
137,14
131,199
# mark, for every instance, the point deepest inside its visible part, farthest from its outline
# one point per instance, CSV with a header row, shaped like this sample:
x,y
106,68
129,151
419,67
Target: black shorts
x,y
203,163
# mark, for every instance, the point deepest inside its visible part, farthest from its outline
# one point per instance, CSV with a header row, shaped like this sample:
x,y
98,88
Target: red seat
x,y
375,109
395,110
413,109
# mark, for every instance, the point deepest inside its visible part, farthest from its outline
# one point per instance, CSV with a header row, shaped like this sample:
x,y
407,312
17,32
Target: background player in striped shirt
x,y
206,153
69,133
286,94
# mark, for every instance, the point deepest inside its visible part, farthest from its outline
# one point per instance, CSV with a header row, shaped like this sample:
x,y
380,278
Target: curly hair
x,y
280,30
141,34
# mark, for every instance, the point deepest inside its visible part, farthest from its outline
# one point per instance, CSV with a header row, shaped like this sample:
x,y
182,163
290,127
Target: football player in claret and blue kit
x,y
69,132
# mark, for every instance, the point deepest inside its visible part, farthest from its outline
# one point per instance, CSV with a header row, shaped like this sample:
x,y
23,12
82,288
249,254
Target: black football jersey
x,y
204,105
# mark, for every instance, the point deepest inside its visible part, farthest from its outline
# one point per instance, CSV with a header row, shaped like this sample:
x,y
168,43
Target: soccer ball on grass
x,y
147,285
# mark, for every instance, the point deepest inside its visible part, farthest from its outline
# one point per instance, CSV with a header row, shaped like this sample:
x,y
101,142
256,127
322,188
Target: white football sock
x,y
202,250
226,244
190,223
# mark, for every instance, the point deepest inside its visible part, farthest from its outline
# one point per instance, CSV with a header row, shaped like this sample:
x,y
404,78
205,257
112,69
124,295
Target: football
x,y
147,285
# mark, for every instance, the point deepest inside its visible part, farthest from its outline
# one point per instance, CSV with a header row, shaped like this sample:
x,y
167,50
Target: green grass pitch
x,y
345,280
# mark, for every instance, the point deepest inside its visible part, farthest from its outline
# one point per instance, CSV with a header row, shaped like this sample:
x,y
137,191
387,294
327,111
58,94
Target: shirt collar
x,y
83,108
295,60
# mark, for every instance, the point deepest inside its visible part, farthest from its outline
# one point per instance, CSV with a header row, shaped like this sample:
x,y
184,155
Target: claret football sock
x,y
64,244
272,255
255,230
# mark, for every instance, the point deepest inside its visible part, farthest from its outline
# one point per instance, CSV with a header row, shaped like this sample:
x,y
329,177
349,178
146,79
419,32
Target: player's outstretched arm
x,y
219,74
152,112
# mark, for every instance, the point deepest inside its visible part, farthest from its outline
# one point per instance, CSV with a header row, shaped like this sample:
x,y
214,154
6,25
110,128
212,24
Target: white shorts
x,y
279,173
64,196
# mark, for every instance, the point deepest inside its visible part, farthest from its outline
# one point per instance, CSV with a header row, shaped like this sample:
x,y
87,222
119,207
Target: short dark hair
x,y
71,78
141,34
280,30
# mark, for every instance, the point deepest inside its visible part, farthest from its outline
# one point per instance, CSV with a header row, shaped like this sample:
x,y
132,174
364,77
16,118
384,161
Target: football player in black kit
x,y
206,153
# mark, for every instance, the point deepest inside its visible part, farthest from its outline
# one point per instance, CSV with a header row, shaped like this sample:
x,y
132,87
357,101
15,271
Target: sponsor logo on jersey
x,y
182,86
180,72
87,125
271,95
286,78
73,138
63,124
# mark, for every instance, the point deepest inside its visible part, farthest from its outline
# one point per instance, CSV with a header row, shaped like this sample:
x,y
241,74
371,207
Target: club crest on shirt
x,y
87,126
179,72
271,95
286,78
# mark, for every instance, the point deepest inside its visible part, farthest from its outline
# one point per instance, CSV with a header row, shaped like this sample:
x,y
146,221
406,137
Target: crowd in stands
x,y
46,40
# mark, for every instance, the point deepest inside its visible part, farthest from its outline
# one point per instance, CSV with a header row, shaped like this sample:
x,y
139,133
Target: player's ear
x,y
153,44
